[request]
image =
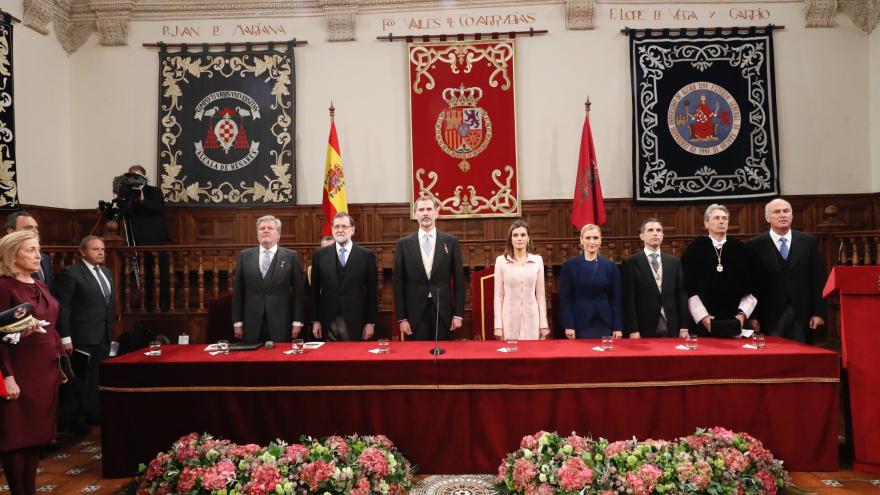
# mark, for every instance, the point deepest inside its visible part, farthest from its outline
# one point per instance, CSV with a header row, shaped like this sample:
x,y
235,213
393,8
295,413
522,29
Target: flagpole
x,y
332,110
587,105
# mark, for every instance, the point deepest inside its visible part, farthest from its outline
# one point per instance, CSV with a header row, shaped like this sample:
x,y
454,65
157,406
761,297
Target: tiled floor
x,y
76,468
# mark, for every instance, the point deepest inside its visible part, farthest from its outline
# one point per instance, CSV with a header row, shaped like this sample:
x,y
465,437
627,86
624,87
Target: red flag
x,y
588,206
334,199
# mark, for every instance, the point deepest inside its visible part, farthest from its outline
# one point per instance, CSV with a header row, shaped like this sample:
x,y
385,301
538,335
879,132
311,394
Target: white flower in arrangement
x,y
527,453
392,462
384,487
543,477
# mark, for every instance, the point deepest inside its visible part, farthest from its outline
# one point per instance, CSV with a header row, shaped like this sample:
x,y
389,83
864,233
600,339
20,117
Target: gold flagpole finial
x,y
587,104
332,109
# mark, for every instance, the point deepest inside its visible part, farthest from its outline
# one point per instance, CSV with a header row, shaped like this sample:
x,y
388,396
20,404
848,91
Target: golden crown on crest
x,y
461,96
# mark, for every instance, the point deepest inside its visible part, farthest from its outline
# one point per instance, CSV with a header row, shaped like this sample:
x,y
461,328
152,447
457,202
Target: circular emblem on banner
x,y
226,146
703,118
463,130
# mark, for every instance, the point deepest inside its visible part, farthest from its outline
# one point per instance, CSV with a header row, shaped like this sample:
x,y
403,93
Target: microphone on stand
x,y
436,351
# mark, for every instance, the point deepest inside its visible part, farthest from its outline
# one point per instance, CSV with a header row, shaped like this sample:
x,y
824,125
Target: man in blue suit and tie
x,y
86,293
790,277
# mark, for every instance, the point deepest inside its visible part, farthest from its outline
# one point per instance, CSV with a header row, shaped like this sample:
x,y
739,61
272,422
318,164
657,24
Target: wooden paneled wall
x,y
206,242
387,222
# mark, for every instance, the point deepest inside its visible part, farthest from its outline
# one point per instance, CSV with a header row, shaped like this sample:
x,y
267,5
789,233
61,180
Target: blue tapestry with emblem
x,y
704,115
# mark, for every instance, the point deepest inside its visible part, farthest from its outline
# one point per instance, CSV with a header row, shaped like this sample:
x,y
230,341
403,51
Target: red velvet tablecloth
x,y
462,411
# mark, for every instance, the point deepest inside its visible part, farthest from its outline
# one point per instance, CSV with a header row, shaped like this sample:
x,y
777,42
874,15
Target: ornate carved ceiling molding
x,y
37,14
579,14
820,13
864,13
112,18
76,18
72,35
341,21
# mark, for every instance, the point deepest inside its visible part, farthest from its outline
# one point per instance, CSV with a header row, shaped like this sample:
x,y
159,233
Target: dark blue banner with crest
x,y
704,115
226,126
8,180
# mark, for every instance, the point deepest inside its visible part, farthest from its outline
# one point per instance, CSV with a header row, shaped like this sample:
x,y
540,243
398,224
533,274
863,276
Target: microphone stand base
x,y
437,351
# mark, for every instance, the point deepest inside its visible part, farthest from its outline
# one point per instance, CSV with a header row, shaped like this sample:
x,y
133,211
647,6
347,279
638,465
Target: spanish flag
x,y
334,181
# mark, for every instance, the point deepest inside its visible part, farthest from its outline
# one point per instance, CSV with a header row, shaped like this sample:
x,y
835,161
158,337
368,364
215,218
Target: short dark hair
x,y
84,243
648,220
12,218
343,214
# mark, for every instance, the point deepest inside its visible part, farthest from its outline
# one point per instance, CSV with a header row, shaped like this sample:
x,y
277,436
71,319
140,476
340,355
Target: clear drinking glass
x,y
512,345
758,341
691,342
155,348
384,346
297,346
608,343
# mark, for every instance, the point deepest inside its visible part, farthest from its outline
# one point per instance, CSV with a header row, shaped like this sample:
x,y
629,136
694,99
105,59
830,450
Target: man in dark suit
x,y
654,298
344,286
22,220
148,228
85,292
790,277
268,290
718,278
427,266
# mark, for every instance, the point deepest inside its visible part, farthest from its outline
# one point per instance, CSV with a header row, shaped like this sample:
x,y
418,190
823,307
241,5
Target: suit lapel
x,y
439,251
415,247
90,279
668,270
645,269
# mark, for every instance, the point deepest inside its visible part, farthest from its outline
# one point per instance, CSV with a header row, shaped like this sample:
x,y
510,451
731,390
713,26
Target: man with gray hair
x,y
268,289
790,278
718,278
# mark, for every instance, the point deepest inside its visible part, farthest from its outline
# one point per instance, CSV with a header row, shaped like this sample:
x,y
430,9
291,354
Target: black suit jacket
x,y
412,285
46,266
147,223
278,300
83,314
642,300
797,281
353,296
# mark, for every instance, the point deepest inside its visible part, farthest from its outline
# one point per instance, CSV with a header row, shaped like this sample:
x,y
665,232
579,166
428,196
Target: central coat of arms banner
x,y
226,126
463,125
704,123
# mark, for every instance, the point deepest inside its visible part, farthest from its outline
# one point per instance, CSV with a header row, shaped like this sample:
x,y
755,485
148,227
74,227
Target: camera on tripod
x,y
126,188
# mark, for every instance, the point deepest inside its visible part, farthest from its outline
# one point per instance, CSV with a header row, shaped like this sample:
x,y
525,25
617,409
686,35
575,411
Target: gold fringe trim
x,y
475,386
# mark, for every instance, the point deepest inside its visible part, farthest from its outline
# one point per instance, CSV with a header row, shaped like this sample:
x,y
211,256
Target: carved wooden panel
x,y
387,222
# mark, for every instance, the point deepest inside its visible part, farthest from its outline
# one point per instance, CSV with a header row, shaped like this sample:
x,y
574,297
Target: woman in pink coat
x,y
520,305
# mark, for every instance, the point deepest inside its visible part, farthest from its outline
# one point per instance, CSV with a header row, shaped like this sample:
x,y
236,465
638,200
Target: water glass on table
x,y
758,341
155,348
384,346
691,342
297,346
608,343
512,345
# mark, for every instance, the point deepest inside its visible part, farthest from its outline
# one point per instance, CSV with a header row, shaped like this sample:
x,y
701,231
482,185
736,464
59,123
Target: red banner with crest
x,y
463,127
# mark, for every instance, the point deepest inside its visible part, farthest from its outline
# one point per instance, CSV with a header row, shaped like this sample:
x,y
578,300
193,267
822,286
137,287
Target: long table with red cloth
x,y
462,411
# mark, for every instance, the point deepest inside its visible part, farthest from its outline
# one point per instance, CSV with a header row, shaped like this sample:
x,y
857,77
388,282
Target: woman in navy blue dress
x,y
589,292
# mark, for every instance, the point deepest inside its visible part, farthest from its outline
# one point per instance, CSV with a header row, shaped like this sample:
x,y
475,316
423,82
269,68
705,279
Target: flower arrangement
x,y
714,461
356,465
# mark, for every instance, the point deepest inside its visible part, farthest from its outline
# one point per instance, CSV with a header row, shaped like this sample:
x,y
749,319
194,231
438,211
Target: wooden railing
x,y
856,248
198,273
